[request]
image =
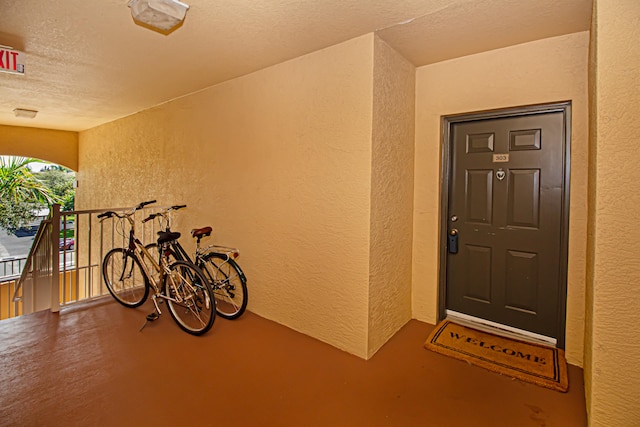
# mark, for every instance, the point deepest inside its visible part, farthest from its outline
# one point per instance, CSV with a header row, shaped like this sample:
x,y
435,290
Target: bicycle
x,y
129,271
228,281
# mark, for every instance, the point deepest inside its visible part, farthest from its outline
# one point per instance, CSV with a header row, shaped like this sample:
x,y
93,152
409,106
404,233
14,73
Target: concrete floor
x,y
89,366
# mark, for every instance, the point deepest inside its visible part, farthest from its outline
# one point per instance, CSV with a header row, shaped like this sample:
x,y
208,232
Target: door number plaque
x,y
500,158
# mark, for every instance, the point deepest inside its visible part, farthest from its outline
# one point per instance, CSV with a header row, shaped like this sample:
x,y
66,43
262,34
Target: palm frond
x,y
17,182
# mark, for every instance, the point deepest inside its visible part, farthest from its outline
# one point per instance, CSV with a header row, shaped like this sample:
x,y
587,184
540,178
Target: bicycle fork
x,y
154,315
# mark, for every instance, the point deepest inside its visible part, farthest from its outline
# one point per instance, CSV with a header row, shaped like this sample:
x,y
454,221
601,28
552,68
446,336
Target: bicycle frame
x,y
180,283
178,249
180,253
137,249
200,253
217,263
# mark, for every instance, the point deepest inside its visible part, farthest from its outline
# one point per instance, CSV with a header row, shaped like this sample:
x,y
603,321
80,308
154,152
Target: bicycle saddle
x,y
167,236
201,232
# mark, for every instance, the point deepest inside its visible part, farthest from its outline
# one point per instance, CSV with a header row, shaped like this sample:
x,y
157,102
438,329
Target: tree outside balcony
x,y
24,192
59,180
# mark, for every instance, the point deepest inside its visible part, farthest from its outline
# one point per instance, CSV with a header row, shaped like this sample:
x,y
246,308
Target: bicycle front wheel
x,y
125,278
189,298
228,283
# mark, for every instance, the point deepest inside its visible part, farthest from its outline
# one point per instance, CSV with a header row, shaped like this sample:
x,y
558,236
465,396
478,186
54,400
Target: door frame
x,y
446,124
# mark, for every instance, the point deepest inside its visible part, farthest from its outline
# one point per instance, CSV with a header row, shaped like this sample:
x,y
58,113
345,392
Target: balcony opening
x,y
28,189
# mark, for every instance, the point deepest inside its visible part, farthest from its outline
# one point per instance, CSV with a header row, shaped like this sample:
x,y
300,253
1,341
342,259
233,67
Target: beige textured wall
x,y
279,162
56,146
588,330
613,373
548,70
391,194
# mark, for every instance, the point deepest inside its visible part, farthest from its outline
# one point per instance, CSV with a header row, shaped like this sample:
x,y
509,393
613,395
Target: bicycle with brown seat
x,y
218,263
132,271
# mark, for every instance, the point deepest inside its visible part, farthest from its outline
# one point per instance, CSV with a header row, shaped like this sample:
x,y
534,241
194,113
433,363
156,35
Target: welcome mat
x,y
538,364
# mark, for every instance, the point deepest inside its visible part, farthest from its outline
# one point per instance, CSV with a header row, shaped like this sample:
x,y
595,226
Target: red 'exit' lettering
x,y
8,60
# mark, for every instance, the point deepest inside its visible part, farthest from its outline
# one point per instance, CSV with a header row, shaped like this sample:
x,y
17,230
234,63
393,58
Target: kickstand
x,y
150,318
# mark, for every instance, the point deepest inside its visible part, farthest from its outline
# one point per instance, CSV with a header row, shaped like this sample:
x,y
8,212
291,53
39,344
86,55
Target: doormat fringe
x,y
533,363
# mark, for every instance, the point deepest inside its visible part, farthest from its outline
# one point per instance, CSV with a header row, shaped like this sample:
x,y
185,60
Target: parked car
x,y
67,244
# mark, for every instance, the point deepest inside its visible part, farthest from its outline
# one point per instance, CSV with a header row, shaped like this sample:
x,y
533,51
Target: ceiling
x,y
88,63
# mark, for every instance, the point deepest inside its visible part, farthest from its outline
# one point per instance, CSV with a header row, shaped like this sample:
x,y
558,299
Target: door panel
x,y
524,198
478,279
522,280
479,195
506,190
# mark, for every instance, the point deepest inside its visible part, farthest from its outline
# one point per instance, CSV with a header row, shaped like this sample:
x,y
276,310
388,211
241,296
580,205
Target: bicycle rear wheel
x,y
125,278
228,283
189,298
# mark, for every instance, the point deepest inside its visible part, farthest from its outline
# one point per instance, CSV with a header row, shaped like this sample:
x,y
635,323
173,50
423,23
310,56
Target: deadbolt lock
x,y
453,241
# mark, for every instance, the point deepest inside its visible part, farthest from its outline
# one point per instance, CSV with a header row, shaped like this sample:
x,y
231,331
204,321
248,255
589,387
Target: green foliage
x,y
21,193
19,184
16,215
59,180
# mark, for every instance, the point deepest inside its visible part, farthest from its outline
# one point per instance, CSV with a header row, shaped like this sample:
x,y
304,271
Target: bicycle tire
x,y
228,283
125,278
189,298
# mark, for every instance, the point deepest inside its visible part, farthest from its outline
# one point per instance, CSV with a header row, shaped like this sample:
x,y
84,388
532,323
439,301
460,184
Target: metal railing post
x,y
55,259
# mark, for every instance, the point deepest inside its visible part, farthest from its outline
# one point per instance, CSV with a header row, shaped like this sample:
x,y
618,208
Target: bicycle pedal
x,y
152,316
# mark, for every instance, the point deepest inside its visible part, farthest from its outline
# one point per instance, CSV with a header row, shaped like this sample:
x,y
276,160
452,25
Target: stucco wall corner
x,y
392,163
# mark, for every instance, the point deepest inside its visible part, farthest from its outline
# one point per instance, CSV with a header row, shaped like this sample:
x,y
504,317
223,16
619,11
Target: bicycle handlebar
x,y
109,214
143,204
163,213
150,217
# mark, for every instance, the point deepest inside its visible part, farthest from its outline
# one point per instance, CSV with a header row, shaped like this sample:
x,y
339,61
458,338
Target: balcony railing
x,y
64,264
10,269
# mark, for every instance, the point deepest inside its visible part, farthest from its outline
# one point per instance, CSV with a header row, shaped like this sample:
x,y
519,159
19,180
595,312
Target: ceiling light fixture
x,y
24,113
163,15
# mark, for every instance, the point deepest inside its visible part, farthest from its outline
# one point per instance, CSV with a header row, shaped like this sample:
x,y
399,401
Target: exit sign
x,y
11,61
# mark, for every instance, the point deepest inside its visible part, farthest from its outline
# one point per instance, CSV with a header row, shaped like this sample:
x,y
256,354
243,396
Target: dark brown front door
x,y
505,215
